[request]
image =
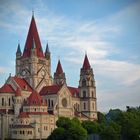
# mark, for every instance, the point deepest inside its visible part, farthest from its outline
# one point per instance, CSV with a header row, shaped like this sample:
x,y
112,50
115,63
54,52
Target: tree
x,y
113,114
76,132
110,131
101,117
130,123
68,130
91,127
57,134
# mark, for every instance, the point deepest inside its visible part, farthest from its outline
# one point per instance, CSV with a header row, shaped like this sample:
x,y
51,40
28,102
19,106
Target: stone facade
x,y
33,100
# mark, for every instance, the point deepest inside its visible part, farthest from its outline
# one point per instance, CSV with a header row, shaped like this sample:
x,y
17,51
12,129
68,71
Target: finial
x,y
33,12
9,74
58,57
85,52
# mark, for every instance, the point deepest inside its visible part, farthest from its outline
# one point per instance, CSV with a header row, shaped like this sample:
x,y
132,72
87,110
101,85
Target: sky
x,y
107,30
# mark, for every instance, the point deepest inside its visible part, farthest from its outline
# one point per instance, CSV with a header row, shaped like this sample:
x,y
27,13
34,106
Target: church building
x,y
32,100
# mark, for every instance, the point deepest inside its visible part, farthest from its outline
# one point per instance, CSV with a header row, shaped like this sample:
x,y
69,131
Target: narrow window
x,y
92,94
49,102
83,82
84,94
9,101
84,106
2,101
52,103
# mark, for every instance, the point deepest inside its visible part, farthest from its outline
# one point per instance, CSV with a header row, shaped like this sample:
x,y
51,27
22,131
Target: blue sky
x,y
108,30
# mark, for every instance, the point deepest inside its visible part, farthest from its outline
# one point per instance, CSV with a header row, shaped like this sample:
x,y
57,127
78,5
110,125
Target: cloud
x,y
81,36
74,37
2,70
118,98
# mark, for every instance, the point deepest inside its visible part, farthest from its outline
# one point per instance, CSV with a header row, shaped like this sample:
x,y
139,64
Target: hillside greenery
x,y
115,125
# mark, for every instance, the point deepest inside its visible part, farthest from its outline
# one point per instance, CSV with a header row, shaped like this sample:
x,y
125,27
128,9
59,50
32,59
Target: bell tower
x,y
87,91
33,65
59,75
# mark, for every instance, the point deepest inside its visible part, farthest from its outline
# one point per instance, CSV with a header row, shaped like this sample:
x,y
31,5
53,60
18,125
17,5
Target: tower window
x,y
9,102
83,82
84,94
92,94
2,101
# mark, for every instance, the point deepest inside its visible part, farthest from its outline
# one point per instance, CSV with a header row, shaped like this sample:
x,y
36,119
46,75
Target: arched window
x,y
2,101
83,82
9,101
84,94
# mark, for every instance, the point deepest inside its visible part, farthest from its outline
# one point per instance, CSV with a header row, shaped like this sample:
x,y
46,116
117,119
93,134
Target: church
x,y
32,100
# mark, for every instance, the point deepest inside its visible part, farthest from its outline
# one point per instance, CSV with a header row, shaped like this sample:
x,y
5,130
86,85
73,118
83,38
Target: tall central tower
x,y
33,64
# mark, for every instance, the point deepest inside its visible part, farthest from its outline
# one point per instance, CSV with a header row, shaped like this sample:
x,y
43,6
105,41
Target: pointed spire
x,y
59,75
86,64
59,69
18,49
33,34
47,49
47,52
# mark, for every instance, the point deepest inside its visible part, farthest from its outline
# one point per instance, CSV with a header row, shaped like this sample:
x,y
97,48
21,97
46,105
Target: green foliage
x,y
130,123
115,125
68,130
110,131
76,132
113,114
101,117
64,122
57,134
91,127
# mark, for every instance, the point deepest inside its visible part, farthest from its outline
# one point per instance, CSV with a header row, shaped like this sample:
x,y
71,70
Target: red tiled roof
x,y
50,89
6,88
59,69
33,34
22,83
35,99
55,88
37,113
18,92
23,115
73,90
86,64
